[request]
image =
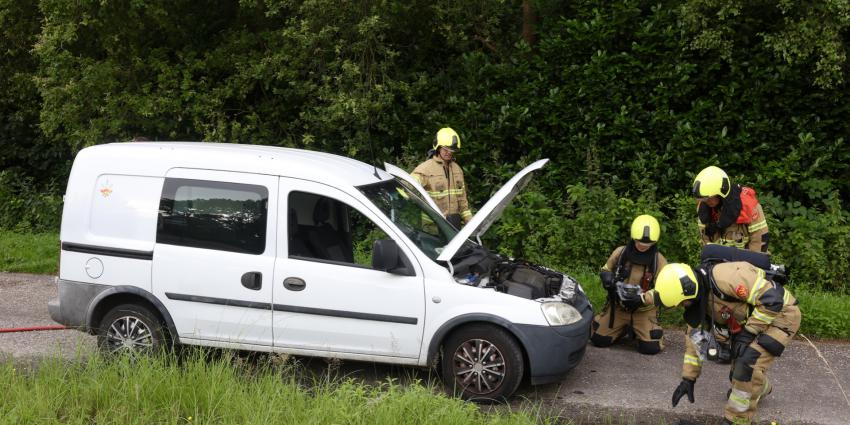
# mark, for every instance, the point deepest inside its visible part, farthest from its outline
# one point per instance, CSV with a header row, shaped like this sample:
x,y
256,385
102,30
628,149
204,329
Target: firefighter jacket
x,y
632,272
741,295
445,185
740,222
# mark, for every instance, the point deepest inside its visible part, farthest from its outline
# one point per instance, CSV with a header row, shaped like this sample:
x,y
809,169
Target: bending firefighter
x,y
730,300
729,214
442,177
629,273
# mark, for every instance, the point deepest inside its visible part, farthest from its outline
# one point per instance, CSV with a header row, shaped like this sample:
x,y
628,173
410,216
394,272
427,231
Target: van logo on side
x,y
106,190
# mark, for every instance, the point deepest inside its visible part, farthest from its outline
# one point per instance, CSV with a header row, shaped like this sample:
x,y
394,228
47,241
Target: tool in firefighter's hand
x,y
630,296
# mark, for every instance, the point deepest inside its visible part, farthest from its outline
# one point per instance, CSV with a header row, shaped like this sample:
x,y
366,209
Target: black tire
x,y
133,329
482,363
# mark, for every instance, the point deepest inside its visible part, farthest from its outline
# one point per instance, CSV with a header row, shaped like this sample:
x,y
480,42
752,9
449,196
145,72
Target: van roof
x,y
156,158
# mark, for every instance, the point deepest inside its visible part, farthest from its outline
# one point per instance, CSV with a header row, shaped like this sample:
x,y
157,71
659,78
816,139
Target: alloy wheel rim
x,y
128,333
479,366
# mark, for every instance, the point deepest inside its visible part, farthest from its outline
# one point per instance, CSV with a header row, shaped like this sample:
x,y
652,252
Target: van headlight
x,y
558,313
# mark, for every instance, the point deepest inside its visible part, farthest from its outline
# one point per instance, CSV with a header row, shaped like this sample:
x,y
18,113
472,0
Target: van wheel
x,y
132,329
482,363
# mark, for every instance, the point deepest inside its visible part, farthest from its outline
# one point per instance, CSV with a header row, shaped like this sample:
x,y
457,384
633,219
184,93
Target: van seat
x,y
327,242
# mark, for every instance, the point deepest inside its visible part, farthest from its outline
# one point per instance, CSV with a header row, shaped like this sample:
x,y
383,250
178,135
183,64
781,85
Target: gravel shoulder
x,y
613,385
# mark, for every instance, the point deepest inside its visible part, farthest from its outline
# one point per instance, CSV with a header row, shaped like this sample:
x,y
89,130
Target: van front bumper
x,y
554,350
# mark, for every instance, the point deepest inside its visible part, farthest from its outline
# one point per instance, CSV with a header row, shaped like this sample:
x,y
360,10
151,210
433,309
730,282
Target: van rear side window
x,y
213,215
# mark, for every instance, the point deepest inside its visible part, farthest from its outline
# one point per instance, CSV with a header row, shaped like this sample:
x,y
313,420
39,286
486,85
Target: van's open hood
x,y
398,172
487,215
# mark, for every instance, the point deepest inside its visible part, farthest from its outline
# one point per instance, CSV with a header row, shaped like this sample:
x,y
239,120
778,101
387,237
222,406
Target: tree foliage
x,y
629,98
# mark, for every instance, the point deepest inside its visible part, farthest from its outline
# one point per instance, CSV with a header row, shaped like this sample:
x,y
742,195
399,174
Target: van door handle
x,y
294,284
252,280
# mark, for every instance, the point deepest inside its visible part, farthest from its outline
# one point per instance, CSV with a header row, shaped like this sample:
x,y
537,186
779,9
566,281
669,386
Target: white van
x,y
272,249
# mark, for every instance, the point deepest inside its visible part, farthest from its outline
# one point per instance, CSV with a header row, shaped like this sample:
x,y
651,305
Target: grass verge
x,y
223,390
29,252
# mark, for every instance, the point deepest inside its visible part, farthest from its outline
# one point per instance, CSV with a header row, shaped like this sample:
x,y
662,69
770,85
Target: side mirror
x,y
387,257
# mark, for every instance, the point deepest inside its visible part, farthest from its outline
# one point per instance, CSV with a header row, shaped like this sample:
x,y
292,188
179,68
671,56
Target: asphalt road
x,y
615,385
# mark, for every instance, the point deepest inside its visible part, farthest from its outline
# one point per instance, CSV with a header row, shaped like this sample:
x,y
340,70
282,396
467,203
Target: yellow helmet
x,y
448,138
675,283
645,228
711,181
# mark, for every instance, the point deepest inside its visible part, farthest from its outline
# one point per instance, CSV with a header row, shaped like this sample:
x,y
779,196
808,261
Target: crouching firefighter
x,y
717,297
628,275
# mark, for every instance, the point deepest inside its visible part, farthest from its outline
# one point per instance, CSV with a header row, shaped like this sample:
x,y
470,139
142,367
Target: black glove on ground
x,y
685,387
741,341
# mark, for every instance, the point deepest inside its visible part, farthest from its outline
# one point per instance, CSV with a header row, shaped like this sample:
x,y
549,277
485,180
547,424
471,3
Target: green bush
x,y
27,208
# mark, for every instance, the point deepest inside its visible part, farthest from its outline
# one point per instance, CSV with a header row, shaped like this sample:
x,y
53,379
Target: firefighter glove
x,y
607,278
685,387
711,229
741,341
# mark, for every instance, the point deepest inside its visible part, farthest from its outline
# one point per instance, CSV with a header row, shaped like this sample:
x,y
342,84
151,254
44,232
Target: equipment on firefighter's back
x,y
713,254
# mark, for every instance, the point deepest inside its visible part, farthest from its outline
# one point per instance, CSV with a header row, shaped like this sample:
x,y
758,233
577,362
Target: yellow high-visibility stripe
x,y
739,401
444,193
758,314
726,242
786,298
758,226
466,213
692,360
757,287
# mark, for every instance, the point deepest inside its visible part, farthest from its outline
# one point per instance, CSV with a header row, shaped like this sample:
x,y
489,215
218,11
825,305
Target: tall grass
x,y
224,389
29,252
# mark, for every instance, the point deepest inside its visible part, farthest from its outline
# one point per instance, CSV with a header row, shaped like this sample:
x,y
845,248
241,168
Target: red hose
x,y
33,328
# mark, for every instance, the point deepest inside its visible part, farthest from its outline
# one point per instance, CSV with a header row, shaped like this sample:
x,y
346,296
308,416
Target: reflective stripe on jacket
x,y
445,185
748,235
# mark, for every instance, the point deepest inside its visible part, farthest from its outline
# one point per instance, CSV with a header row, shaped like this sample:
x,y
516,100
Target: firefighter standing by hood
x,y
729,214
730,300
629,273
442,178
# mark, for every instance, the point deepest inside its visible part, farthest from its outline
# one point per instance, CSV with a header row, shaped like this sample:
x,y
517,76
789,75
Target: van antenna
x,y
372,151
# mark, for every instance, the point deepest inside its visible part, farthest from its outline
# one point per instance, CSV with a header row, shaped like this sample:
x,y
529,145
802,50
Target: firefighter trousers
x,y
749,372
644,321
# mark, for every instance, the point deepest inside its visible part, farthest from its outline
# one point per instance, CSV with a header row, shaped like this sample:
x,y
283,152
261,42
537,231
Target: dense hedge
x,y
628,98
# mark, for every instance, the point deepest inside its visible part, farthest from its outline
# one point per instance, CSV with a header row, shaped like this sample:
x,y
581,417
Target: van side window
x,y
323,228
213,215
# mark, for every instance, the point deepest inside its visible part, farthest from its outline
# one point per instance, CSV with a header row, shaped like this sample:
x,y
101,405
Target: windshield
x,y
427,228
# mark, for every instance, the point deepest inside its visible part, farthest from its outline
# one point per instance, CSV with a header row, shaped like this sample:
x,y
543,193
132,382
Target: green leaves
x,y
627,98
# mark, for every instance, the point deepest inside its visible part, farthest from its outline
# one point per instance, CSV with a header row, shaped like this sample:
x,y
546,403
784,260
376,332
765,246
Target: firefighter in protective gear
x,y
733,300
628,275
442,178
729,214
